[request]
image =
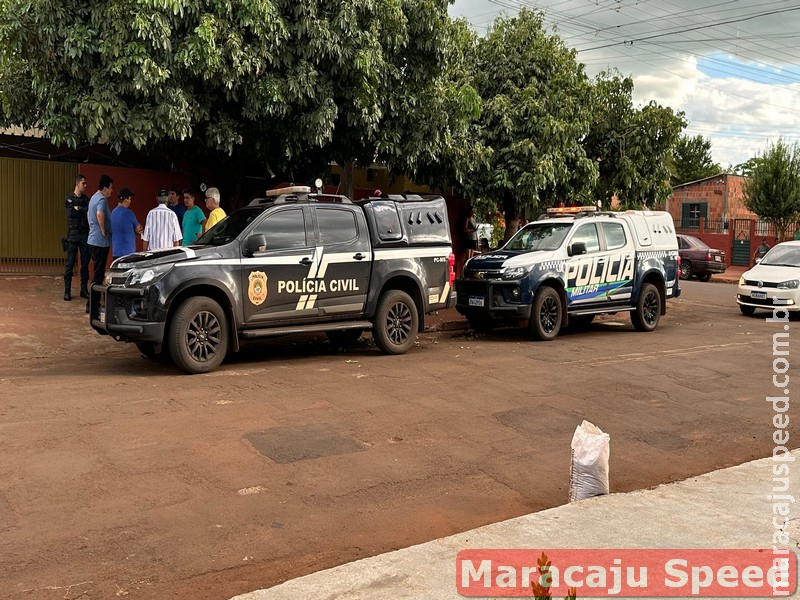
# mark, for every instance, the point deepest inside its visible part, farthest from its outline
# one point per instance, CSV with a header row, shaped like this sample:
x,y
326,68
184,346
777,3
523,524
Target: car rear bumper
x,y
701,267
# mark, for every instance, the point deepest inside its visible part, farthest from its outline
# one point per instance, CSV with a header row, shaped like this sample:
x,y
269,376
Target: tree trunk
x,y
346,183
510,212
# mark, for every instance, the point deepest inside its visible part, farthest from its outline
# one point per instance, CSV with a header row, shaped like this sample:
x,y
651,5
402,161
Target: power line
x,y
706,26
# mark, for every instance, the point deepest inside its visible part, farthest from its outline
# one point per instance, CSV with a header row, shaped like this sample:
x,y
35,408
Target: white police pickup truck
x,y
573,264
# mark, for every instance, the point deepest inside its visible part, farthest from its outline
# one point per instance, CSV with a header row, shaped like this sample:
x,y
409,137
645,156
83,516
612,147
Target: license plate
x,y
718,258
476,301
759,295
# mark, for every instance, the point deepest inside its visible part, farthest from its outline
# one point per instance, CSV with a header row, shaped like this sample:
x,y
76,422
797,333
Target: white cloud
x,y
731,67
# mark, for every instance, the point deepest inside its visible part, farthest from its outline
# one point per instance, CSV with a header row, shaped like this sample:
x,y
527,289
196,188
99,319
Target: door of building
x,y
741,242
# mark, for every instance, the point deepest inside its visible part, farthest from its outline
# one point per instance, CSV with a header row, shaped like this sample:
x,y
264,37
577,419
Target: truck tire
x,y
648,309
198,335
396,323
546,314
343,338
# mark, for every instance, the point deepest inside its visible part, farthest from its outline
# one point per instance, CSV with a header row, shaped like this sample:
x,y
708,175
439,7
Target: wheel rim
x,y
685,271
650,308
548,315
203,336
398,323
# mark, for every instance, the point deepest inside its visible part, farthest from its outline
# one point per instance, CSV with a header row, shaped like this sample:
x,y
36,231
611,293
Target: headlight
x,y
515,272
792,284
741,280
149,275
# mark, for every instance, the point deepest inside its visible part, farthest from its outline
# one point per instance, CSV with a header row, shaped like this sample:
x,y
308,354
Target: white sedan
x,y
773,282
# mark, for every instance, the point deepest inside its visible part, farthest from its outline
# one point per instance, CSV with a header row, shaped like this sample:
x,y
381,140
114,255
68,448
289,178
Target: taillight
x,y
708,257
452,261
679,261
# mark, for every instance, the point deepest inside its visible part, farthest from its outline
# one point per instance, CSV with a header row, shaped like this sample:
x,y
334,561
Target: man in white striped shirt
x,y
162,229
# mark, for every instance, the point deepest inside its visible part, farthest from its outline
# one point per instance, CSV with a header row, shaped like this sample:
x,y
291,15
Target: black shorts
x,y
470,244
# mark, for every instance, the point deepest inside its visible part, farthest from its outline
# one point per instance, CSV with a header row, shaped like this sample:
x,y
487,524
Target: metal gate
x,y
741,242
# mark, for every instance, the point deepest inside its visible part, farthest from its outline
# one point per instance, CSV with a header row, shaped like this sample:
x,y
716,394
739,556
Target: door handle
x,y
359,256
306,261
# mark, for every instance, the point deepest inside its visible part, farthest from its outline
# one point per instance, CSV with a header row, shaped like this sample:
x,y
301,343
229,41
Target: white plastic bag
x,y
588,471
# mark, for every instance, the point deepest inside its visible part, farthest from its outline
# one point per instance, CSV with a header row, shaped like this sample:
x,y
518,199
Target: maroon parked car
x,y
698,259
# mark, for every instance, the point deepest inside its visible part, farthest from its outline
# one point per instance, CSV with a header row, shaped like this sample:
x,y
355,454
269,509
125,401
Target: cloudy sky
x,y
732,66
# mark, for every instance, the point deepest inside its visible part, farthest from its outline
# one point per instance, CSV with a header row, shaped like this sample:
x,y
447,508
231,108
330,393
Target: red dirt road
x,y
123,477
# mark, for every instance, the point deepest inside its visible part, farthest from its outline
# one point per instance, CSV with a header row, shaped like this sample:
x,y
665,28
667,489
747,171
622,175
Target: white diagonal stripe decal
x,y
445,291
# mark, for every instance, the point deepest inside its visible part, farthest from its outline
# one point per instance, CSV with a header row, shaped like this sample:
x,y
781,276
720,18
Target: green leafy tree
x,y
631,146
289,83
691,160
453,149
748,167
536,109
773,189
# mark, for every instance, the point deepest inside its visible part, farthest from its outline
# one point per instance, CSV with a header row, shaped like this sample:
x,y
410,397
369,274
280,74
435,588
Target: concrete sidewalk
x,y
724,509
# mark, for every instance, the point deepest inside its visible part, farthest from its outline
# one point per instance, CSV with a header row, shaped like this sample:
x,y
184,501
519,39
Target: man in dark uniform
x,y
76,206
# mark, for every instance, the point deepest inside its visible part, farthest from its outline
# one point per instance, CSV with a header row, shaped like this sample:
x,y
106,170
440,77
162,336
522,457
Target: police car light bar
x,y
570,210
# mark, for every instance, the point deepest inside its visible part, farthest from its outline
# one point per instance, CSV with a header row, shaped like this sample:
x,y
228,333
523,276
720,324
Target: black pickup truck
x,y
290,263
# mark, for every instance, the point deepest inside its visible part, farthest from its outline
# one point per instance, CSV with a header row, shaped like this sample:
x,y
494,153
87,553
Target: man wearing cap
x,y
161,229
124,225
175,204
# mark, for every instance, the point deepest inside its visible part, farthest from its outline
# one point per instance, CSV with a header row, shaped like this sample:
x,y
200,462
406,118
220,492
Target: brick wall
x,y
715,192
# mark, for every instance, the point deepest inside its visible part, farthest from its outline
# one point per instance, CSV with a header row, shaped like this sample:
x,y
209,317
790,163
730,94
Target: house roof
x,y
719,175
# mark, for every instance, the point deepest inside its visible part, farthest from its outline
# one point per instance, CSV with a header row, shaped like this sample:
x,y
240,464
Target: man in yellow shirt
x,y
215,213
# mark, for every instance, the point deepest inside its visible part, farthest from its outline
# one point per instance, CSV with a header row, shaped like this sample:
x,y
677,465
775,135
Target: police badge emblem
x,y
257,291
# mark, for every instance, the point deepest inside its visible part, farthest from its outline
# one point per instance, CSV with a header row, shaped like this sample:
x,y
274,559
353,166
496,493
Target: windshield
x,y
782,256
539,236
230,227
698,243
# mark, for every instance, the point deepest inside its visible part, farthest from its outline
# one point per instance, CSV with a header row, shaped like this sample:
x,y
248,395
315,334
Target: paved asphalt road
x,y
124,477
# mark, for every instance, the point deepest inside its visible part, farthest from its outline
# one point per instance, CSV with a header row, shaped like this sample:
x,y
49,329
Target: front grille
x,y
754,283
117,277
482,274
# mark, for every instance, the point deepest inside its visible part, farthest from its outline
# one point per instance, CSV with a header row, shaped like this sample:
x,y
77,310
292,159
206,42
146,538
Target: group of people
x,y
90,224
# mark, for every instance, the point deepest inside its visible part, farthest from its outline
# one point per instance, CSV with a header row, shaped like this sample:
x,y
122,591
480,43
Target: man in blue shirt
x,y
124,225
175,204
100,228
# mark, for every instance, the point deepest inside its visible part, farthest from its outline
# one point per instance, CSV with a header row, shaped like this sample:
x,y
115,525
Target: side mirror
x,y
576,249
255,243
